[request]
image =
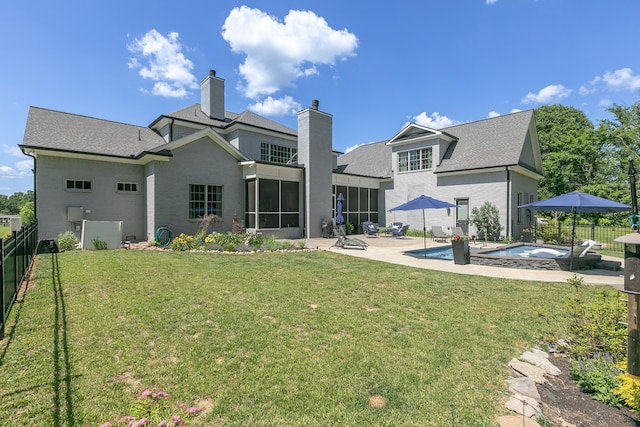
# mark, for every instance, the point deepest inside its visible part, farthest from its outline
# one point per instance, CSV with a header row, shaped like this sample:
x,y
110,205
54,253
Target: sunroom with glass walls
x,y
273,204
360,204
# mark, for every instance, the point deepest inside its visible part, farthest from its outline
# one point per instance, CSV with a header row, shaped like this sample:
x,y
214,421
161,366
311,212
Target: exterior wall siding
x,y
103,202
200,162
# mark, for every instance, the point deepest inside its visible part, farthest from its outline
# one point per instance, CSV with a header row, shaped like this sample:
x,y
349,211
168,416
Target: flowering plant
x,y
526,230
458,237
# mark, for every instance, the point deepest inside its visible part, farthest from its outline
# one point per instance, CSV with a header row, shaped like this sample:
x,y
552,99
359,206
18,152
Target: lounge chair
x,y
401,232
438,233
369,229
344,241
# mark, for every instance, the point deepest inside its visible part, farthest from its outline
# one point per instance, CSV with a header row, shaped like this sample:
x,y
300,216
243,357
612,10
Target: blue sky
x,y
373,66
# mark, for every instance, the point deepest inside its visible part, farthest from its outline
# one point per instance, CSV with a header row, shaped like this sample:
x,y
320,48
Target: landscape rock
x,y
540,359
516,421
528,370
524,386
523,405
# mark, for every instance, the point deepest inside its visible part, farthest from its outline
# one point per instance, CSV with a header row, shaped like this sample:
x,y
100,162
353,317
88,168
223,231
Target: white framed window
x,y
205,199
277,153
415,160
73,184
127,187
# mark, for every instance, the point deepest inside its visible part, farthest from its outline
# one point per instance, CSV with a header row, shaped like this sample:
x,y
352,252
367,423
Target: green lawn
x,y
271,339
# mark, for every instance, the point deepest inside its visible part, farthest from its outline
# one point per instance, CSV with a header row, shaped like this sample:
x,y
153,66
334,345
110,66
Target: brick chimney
x,y
212,96
315,152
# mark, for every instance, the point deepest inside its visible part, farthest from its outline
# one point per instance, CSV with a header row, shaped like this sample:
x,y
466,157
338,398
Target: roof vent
x,y
315,104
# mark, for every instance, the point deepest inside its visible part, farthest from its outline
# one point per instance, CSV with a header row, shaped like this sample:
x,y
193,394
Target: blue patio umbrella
x,y
423,202
339,217
577,202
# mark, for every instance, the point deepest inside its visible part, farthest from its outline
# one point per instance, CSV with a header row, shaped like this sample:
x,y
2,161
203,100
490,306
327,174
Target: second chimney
x,y
212,96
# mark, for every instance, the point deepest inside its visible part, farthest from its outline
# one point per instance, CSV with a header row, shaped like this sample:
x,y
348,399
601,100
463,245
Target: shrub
x,y
597,325
98,244
598,376
628,390
182,242
67,241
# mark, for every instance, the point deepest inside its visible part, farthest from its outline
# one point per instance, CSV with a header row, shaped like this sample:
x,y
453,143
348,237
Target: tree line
x,y
18,204
578,156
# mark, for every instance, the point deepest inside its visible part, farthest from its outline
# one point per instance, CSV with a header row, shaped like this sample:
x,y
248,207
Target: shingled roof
x,y
55,130
194,114
367,160
487,143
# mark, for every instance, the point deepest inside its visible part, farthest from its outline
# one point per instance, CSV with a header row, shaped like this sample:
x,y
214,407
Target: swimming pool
x,y
438,252
518,255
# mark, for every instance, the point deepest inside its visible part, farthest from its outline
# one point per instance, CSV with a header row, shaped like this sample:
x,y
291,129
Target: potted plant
x,y
526,235
460,246
349,228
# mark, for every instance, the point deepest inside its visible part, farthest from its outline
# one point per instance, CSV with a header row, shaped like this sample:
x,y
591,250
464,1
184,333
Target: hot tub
x,y
533,256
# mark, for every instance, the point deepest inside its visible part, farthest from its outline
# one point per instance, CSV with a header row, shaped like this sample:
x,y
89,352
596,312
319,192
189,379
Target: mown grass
x,y
303,338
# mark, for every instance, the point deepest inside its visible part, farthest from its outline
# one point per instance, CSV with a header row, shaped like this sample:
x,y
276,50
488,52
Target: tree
x,y
27,213
11,205
487,219
569,148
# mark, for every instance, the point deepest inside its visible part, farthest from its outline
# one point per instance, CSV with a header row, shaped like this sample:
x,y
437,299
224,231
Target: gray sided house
x,y
203,160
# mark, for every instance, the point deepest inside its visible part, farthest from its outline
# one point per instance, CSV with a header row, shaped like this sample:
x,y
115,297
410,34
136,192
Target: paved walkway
x,y
390,249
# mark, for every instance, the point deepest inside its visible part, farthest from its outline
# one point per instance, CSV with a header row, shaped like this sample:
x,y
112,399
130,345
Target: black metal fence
x,y
560,234
16,254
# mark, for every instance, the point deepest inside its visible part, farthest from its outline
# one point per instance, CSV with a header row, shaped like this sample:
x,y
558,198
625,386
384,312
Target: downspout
x,y
35,193
507,231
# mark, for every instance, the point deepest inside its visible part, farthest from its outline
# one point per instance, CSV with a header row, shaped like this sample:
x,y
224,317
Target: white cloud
x,y
605,102
548,95
280,52
276,107
515,110
353,147
491,1
585,91
13,150
493,114
166,65
622,79
19,170
435,120
24,165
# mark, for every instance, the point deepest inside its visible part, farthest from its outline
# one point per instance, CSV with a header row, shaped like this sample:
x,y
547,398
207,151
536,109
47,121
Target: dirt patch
x,y
377,401
565,405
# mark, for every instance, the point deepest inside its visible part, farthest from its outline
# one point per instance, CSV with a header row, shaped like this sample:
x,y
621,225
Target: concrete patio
x,y
390,249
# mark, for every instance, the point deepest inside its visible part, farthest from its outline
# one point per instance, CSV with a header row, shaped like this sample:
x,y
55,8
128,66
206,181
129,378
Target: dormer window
x,y
415,160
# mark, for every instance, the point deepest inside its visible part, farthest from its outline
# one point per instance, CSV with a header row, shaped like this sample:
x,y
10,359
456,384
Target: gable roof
x,y
55,130
488,143
194,114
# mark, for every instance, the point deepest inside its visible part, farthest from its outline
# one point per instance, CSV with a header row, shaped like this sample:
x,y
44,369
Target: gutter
x,y
35,193
506,168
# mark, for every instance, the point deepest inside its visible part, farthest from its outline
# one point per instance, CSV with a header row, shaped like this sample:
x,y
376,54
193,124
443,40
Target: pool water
x,y
532,251
529,251
438,252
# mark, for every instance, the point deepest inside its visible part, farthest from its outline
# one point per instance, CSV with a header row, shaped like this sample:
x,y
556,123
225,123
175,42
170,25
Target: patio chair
x,y
401,232
438,233
369,229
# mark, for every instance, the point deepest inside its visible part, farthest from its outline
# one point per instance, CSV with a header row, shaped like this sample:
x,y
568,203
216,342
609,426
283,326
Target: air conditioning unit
x,y
75,214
